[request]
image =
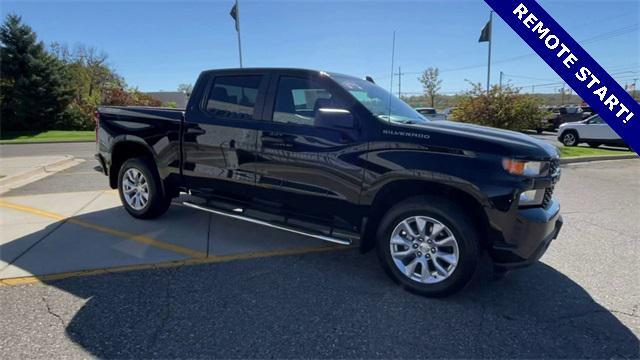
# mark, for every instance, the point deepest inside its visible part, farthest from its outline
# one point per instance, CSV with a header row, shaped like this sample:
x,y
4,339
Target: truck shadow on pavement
x,y
336,304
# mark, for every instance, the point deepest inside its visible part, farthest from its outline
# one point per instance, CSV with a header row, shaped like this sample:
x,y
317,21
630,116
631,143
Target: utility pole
x,y
562,96
399,73
533,89
501,74
633,95
399,82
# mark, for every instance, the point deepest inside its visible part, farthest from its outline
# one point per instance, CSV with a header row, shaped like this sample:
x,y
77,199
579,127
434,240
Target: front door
x,y
305,166
220,136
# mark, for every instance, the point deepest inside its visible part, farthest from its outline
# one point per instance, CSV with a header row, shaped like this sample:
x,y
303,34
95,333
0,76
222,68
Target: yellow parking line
x,y
168,264
107,230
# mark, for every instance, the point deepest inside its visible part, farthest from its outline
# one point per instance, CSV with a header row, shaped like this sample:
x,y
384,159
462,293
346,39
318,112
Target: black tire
x,y
449,214
594,145
570,138
157,203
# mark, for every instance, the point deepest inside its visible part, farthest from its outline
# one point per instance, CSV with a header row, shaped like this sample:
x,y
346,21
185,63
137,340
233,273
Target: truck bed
x,y
156,113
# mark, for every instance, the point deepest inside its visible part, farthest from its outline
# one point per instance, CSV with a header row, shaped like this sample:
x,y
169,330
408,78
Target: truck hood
x,y
490,140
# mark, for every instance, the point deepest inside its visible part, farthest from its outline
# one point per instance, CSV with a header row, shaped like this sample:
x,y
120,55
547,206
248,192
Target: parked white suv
x,y
593,131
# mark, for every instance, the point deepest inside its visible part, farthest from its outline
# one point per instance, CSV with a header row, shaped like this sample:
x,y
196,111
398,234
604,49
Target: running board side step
x,y
238,216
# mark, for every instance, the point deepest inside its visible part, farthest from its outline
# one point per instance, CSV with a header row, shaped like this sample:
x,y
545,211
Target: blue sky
x,y
157,45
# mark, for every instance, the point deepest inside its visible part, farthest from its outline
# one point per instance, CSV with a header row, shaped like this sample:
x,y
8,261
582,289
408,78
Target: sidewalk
x,y
18,171
63,233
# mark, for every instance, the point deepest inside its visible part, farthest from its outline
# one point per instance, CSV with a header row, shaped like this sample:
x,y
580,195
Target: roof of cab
x,y
269,69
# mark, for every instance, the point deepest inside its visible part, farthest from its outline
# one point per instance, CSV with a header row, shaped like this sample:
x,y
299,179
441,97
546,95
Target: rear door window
x,y
233,97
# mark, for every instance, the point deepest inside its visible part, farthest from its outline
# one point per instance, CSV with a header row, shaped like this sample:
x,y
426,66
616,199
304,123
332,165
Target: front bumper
x,y
533,231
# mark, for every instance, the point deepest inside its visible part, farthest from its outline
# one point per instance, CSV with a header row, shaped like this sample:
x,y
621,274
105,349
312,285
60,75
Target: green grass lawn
x,y
45,136
566,151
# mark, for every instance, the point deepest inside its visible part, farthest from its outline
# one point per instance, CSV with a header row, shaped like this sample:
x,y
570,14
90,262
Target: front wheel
x,y
428,245
140,189
570,138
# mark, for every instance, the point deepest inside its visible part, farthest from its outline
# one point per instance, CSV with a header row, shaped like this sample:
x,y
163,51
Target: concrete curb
x,y
581,159
38,173
46,142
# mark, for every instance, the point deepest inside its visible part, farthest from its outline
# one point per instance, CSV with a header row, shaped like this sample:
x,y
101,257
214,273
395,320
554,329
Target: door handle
x,y
278,136
195,131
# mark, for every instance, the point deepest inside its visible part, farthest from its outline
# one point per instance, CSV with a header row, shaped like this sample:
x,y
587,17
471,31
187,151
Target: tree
x,y
91,77
185,88
431,83
34,84
503,108
123,97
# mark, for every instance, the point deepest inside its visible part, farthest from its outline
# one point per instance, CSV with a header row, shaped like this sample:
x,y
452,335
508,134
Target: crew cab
x,y
593,131
338,158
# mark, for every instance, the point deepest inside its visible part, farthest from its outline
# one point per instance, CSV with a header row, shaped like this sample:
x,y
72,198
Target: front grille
x,y
548,195
554,167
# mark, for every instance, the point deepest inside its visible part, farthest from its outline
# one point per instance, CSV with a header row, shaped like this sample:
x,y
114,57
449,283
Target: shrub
x,y
75,118
503,108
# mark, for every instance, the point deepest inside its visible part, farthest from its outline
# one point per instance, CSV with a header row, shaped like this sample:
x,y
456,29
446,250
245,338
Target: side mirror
x,y
334,119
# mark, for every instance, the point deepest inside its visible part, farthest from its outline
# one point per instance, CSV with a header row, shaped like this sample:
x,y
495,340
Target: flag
x,y
485,35
234,15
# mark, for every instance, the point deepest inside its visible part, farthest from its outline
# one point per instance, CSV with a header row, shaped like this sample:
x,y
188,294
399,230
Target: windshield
x,y
377,100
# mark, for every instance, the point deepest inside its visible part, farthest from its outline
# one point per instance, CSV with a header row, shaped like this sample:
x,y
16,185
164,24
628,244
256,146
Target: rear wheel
x,y
140,189
569,138
428,245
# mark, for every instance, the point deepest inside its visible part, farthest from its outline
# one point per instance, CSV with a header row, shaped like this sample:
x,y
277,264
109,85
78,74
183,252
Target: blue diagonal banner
x,y
574,65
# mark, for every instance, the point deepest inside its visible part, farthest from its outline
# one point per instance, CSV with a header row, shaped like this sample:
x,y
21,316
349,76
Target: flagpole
x,y
238,25
489,56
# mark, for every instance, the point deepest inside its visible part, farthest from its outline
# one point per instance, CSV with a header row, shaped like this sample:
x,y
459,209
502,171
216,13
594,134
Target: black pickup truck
x,y
340,159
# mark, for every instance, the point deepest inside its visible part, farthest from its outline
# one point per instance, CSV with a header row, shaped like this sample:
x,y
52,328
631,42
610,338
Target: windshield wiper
x,y
409,122
396,120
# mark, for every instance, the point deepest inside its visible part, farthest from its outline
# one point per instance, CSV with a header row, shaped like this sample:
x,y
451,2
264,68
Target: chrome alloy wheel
x,y
424,249
569,139
135,189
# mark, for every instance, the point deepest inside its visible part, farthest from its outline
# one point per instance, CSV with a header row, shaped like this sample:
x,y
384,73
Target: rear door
x,y
305,167
219,147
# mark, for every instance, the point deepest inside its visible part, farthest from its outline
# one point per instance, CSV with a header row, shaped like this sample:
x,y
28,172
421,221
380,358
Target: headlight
x,y
524,168
532,197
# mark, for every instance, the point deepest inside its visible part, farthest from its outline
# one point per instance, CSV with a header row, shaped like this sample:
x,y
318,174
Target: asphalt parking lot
x,y
256,293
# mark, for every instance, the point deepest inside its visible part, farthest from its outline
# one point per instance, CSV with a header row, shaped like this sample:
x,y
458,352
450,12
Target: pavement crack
x,y
51,312
615,231
588,312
